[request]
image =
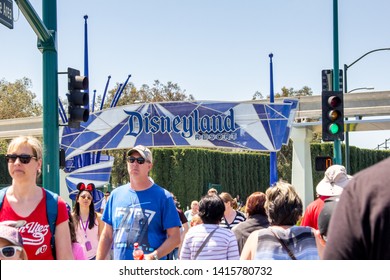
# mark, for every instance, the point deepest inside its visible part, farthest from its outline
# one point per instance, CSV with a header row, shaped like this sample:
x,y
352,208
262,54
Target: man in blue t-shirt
x,y
142,212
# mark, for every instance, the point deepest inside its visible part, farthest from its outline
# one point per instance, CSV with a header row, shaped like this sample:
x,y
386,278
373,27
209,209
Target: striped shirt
x,y
221,246
240,217
300,240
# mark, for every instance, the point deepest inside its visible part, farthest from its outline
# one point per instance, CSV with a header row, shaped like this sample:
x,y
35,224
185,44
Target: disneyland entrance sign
x,y
246,125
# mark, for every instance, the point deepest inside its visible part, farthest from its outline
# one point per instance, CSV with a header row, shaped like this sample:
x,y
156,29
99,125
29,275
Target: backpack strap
x,y
52,212
2,195
204,242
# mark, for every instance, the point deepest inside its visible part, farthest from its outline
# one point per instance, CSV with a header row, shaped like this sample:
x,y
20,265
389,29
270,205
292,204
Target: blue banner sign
x,y
245,125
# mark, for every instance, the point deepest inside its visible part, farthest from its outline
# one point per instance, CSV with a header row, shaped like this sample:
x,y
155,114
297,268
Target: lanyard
x,y
84,227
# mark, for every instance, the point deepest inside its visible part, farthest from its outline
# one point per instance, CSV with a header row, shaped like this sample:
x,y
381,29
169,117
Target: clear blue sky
x,y
215,50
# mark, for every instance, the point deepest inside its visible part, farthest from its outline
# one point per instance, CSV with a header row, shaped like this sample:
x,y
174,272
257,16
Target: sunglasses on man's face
x,y
9,251
139,160
25,159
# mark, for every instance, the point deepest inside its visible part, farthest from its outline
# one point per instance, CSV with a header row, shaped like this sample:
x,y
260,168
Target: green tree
x,y
158,92
17,101
286,92
290,92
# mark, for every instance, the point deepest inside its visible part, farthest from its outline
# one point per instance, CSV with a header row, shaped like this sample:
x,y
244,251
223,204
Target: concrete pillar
x,y
302,177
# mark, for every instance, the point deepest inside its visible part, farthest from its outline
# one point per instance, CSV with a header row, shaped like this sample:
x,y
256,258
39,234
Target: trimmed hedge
x,y
187,172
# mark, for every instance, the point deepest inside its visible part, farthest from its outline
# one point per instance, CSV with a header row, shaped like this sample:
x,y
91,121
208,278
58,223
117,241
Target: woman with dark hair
x,y
256,218
87,221
208,241
231,216
77,249
283,239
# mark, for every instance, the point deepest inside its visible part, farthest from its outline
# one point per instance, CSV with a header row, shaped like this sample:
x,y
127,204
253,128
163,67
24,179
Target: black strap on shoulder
x,y
291,254
204,242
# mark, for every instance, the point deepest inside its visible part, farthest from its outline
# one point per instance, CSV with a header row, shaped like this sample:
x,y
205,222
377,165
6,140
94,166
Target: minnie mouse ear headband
x,y
83,187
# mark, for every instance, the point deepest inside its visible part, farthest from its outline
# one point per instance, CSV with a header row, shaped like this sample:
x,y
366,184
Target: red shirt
x,y
36,232
313,210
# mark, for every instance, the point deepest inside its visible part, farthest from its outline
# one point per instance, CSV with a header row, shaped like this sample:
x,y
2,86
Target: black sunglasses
x,y
25,159
9,251
139,160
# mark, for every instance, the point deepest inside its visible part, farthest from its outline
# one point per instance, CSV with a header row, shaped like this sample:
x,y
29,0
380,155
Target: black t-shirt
x,y
360,225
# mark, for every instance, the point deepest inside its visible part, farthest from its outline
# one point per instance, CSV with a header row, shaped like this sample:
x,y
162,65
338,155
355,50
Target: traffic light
x,y
327,79
77,99
332,115
322,163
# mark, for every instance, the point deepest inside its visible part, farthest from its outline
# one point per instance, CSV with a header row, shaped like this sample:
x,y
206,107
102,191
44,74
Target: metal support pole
x,y
347,150
347,154
337,157
46,33
51,142
273,176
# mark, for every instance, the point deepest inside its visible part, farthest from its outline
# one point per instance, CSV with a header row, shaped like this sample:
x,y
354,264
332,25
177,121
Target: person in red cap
x,y
333,183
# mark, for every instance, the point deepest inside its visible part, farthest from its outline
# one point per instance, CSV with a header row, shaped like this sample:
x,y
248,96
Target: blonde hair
x,y
196,220
194,202
226,197
212,191
30,141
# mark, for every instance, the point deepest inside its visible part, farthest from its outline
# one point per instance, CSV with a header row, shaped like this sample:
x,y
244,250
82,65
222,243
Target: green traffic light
x,y
334,128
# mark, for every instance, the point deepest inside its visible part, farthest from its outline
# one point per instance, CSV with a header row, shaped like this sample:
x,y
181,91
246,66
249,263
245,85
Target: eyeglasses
x,y
25,159
86,197
9,251
139,160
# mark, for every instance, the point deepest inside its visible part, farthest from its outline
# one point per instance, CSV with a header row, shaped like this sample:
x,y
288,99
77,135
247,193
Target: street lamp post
x,y
346,67
361,88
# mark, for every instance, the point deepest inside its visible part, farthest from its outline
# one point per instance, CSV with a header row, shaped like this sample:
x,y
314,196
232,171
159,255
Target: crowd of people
x,y
270,226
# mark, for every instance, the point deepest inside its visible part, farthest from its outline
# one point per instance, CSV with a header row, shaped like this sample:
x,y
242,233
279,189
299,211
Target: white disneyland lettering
x,y
220,126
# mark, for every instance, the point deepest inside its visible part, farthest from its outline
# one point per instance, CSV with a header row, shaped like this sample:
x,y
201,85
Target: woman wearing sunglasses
x,y
25,200
11,242
87,221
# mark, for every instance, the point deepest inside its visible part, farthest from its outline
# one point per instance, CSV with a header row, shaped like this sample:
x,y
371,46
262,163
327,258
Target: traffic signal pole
x,y
47,32
337,156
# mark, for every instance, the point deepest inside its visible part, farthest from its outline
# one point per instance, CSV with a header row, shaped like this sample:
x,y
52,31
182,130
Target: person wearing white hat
x,y
333,184
11,242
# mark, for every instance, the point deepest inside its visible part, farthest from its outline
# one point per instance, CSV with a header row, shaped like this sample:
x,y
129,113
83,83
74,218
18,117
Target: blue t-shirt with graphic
x,y
139,216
